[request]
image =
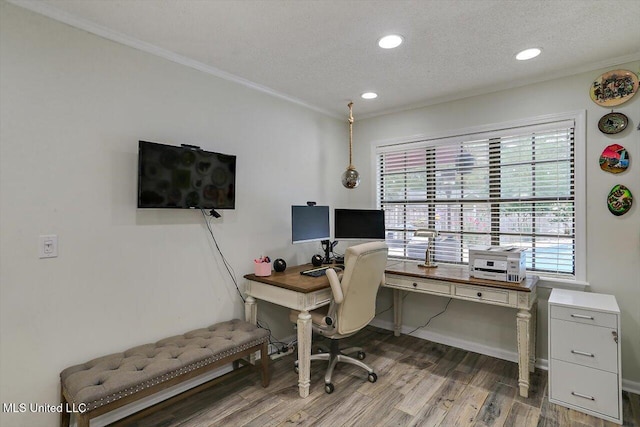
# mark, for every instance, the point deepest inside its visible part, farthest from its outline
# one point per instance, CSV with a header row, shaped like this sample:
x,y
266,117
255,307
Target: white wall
x,y
613,243
73,107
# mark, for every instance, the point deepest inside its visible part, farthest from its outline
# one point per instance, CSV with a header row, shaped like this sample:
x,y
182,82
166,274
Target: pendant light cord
x,y
350,137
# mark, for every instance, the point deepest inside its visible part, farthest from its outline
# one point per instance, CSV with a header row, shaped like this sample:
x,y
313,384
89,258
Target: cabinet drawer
x,y
586,345
482,294
580,315
582,387
431,286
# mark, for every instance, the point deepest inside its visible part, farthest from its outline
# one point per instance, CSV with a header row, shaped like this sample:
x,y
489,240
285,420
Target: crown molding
x,y
104,32
612,62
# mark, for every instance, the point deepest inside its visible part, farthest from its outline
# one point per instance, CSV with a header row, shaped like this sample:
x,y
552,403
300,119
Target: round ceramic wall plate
x,y
619,200
613,123
614,159
614,88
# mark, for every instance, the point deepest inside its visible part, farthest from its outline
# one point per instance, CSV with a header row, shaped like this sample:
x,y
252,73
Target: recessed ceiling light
x,y
528,54
369,95
390,41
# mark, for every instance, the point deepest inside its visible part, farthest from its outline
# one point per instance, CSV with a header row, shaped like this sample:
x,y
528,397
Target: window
x,y
513,186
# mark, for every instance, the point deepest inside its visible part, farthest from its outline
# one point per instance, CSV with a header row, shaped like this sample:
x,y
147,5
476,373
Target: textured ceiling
x,y
323,53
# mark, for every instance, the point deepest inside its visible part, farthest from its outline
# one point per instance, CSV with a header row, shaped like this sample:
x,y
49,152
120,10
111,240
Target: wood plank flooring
x,y
420,383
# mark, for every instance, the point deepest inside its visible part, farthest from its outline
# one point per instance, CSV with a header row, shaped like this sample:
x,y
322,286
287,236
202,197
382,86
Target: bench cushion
x,y
109,378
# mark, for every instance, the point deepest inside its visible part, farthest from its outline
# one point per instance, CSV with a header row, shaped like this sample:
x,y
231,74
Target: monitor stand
x,y
328,246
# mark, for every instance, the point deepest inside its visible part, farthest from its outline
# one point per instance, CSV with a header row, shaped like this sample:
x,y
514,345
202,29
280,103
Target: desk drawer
x,y
589,317
584,344
430,286
482,294
321,297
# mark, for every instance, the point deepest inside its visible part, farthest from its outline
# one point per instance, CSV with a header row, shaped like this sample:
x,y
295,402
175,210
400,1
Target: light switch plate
x,y
48,246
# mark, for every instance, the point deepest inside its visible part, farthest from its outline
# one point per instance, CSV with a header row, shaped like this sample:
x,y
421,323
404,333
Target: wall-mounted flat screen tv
x,y
185,177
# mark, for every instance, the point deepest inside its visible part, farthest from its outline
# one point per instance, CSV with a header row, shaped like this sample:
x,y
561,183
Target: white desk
x,y
303,293
292,290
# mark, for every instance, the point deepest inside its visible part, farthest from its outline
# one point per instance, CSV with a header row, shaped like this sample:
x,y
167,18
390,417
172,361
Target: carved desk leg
x,y
523,324
251,310
397,312
304,352
532,337
251,316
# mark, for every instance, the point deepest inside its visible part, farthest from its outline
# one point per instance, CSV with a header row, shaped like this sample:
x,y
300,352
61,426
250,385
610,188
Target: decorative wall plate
x,y
619,200
613,123
614,159
614,88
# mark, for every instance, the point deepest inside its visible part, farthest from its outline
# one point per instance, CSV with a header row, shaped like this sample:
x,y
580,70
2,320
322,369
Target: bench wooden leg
x,y
264,358
82,420
65,416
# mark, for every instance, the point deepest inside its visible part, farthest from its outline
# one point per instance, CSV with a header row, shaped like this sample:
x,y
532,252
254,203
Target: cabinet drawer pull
x,y
584,396
415,285
582,316
582,353
479,294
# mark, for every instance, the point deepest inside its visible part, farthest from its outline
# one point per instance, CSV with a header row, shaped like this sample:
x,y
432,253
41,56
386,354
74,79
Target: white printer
x,y
503,263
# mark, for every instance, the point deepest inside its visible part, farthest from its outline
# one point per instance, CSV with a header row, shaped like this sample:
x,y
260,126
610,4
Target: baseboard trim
x,y
631,386
498,353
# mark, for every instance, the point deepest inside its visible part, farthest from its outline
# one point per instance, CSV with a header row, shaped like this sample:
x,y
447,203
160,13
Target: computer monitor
x,y
310,223
359,224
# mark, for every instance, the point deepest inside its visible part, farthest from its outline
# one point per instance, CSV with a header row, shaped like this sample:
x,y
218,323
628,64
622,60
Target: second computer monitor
x,y
359,224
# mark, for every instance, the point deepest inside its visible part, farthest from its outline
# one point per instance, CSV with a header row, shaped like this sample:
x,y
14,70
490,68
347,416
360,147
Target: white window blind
x,y
509,187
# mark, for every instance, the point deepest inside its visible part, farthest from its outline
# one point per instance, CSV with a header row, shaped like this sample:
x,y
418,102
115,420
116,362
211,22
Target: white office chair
x,y
352,306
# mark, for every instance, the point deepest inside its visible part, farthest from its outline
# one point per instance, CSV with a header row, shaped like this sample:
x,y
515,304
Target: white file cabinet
x,y
584,353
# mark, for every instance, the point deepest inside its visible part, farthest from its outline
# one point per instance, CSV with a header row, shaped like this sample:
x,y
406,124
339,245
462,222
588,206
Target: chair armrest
x,y
336,288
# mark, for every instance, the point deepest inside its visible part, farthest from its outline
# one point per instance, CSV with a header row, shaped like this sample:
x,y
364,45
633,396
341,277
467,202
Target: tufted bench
x,y
106,383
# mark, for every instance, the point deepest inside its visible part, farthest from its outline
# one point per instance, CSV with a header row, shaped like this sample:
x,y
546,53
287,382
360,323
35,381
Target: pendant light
x,y
350,177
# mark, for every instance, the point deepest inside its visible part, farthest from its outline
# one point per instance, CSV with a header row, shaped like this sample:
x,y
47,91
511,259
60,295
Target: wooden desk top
x,y
454,273
293,280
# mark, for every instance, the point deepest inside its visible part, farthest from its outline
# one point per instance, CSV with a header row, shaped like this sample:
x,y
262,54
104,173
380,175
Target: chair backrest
x,y
363,274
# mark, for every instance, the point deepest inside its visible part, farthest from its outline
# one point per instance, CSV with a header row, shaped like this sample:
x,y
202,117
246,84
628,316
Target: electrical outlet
x,y
48,246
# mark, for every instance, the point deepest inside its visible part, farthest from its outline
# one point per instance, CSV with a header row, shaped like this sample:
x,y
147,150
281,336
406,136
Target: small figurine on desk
x,y
429,235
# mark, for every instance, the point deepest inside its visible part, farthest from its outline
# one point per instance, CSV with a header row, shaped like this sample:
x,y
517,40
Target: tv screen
x,y
185,177
359,224
310,223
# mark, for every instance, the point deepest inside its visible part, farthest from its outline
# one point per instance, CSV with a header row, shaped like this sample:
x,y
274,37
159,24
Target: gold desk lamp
x,y
430,235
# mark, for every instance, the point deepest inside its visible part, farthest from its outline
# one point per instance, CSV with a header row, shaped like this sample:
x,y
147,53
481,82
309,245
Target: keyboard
x,y
315,272
320,271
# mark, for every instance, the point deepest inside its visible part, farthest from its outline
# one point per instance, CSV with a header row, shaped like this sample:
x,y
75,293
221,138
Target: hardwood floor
x,y
420,383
